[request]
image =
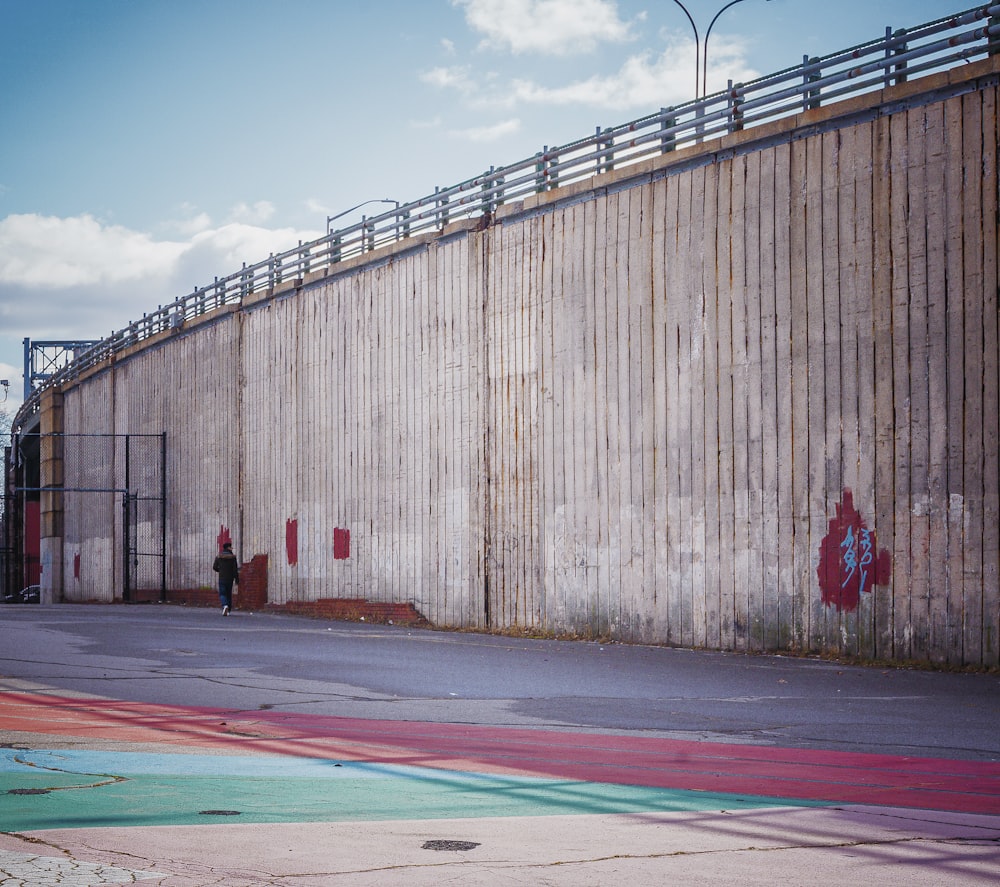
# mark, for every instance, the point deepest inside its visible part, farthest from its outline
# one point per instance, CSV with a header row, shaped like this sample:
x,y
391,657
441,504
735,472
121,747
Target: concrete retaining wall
x,y
743,398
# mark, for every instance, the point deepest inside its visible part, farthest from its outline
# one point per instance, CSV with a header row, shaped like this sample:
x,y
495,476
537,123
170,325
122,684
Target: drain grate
x,y
219,813
28,791
450,845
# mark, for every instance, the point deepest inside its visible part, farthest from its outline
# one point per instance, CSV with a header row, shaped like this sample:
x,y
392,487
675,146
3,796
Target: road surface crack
x,y
105,778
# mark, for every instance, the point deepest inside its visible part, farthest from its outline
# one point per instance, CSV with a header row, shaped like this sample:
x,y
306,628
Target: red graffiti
x,y
292,541
849,563
341,544
223,536
76,565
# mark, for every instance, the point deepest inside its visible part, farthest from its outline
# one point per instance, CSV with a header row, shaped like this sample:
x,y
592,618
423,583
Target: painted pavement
x,y
117,771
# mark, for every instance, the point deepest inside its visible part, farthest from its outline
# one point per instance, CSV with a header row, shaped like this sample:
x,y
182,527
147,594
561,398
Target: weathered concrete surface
x,y
342,799
873,846
746,401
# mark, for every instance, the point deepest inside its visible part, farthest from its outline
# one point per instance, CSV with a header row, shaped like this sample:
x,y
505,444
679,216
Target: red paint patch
x,y
292,541
341,544
76,565
848,563
223,536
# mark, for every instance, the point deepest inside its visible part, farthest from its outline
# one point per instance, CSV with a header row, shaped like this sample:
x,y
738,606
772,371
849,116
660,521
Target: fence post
x,y
163,516
668,141
734,101
900,67
887,67
810,97
541,167
605,156
487,204
441,204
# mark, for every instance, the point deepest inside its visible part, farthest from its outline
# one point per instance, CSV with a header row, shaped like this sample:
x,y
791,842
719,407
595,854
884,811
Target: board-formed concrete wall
x,y
742,398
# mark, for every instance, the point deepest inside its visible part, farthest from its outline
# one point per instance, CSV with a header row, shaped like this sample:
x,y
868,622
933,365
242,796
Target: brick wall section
x,y
252,589
354,610
249,594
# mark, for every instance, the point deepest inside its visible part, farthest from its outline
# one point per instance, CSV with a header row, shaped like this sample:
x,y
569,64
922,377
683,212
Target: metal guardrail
x,y
892,59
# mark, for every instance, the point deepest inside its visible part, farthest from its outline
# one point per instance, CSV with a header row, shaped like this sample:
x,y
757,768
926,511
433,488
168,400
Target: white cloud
x,y
317,206
448,46
554,27
488,133
431,123
75,277
458,77
252,213
643,81
13,375
231,245
191,226
45,251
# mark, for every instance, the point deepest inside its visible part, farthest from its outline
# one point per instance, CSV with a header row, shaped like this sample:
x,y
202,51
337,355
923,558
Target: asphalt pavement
x,y
173,746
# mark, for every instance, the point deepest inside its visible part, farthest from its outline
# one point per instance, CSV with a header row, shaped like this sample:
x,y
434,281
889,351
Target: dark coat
x,y
227,568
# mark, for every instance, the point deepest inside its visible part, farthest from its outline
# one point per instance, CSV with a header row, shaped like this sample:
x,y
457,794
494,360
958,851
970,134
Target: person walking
x,y
229,572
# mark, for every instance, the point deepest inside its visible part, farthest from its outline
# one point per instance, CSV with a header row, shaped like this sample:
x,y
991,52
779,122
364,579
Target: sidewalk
x,y
101,792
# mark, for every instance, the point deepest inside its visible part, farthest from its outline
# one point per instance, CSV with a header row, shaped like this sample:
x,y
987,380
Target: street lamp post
x,y
697,44
701,48
363,203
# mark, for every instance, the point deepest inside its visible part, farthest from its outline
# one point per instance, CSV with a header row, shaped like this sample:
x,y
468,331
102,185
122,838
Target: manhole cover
x,y
450,845
218,812
28,791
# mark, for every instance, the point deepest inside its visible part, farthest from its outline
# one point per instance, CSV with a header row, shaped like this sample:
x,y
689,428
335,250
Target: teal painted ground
x,y
93,789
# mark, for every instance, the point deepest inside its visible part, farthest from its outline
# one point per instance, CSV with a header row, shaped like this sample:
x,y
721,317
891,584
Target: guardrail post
x,y
304,255
335,245
887,69
810,97
368,229
993,34
668,141
552,178
405,216
734,101
900,67
441,203
487,204
605,161
540,168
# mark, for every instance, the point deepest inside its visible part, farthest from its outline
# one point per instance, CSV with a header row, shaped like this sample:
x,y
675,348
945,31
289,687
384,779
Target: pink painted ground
x,y
836,777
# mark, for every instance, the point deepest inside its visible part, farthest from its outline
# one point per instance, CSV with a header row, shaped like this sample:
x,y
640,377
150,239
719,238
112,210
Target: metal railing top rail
x,y
892,59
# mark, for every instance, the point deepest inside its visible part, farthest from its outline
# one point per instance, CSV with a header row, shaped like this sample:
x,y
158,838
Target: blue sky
x,y
147,146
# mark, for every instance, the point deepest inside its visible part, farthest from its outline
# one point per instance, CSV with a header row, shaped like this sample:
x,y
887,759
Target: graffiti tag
x,y
848,563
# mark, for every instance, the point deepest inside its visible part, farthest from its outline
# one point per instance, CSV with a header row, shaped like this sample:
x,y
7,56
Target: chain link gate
x,y
114,487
